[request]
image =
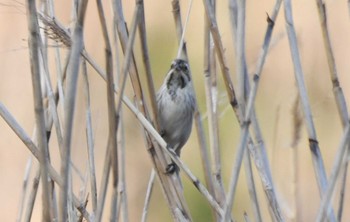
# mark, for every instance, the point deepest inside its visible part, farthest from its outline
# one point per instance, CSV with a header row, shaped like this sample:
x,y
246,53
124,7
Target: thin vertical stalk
x,y
11,121
250,111
122,170
103,186
261,156
90,139
112,117
72,79
251,187
146,62
32,197
313,142
24,188
214,30
339,161
148,196
243,89
212,107
34,43
240,55
337,91
123,206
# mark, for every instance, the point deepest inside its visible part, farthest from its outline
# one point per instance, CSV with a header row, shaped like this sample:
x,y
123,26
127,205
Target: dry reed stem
x,y
337,91
251,187
103,186
214,30
32,196
338,163
313,142
24,188
72,78
90,139
148,196
123,203
34,43
5,114
243,87
112,117
211,90
146,62
264,172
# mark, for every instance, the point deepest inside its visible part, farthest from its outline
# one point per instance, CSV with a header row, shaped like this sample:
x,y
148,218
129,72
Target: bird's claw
x,y
171,168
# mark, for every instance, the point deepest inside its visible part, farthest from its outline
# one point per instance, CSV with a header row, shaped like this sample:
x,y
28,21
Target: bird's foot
x,y
171,168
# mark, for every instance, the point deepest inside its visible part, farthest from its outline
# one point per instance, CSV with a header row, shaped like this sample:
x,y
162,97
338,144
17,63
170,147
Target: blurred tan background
x,y
274,103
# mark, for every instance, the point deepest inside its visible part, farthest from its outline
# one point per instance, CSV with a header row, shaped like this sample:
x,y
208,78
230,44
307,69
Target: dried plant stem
x,y
112,117
5,114
72,77
243,87
24,188
148,196
214,30
337,90
313,142
90,139
212,107
32,196
339,162
122,170
247,119
146,62
34,43
103,186
183,30
251,187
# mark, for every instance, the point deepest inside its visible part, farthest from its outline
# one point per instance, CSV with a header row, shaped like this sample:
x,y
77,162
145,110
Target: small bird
x,y
176,105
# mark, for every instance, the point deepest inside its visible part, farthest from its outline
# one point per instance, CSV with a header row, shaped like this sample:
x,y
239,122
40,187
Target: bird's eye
x,y
184,67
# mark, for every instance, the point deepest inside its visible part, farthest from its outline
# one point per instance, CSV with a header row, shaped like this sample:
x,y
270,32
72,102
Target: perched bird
x,y
176,104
